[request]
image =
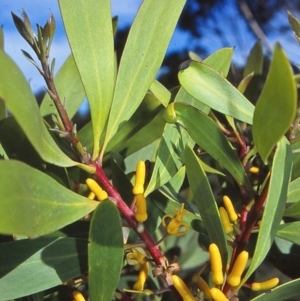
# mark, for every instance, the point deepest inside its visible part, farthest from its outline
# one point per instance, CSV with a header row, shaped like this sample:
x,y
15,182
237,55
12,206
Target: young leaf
x,y
275,203
69,87
55,259
207,134
89,29
20,101
210,87
33,204
105,252
143,54
276,106
255,60
205,201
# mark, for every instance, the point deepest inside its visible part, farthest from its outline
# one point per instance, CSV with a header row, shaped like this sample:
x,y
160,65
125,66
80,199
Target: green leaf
x,y
105,252
290,232
29,266
283,292
204,199
143,54
17,95
160,92
220,60
276,106
210,87
169,157
275,204
89,29
294,191
295,25
255,60
207,134
33,204
69,87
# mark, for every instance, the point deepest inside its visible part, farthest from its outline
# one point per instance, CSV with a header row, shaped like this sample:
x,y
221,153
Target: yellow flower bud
x,y
141,208
234,278
266,285
78,296
91,196
182,289
230,209
225,220
95,188
216,264
254,169
139,285
203,286
140,176
217,295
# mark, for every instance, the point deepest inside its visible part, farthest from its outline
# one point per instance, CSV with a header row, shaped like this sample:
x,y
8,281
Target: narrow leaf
x,y
255,60
105,252
275,203
160,92
295,25
276,106
36,265
89,29
210,87
17,95
33,204
144,51
205,201
69,87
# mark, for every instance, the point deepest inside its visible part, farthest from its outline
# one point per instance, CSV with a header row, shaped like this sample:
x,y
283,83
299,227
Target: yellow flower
x,y
139,285
217,295
96,189
182,289
136,257
230,209
78,296
225,220
140,176
141,208
266,285
234,278
216,264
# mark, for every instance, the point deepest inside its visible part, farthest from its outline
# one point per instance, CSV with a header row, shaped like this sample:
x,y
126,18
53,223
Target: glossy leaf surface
x,y
206,133
22,104
36,265
143,54
43,205
69,87
275,204
204,199
276,106
91,40
210,87
105,252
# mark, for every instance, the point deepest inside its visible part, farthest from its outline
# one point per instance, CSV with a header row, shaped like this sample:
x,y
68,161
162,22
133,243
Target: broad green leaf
x,y
295,25
30,266
276,106
210,87
207,134
105,252
160,92
255,60
33,204
204,199
17,95
69,87
220,60
282,292
275,204
169,157
290,232
89,30
143,54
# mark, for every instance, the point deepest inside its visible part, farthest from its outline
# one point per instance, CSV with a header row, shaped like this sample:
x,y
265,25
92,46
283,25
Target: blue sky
x,y
235,33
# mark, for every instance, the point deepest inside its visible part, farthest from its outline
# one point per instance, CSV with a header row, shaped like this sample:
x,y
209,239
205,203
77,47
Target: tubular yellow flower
x,y
230,209
91,196
203,286
95,188
182,289
266,285
139,285
234,278
140,176
78,296
141,208
225,220
217,295
175,224
216,264
254,169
